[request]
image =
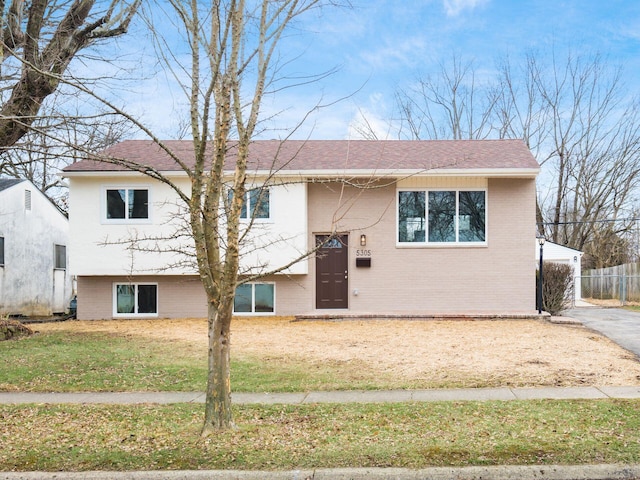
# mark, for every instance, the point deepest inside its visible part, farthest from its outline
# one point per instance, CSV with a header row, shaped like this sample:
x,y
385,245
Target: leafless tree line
x,y
576,116
38,125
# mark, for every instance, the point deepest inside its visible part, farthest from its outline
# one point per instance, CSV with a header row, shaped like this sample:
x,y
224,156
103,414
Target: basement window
x,y
135,299
254,298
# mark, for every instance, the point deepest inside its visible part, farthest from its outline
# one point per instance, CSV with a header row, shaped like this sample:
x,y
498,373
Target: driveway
x,y
620,325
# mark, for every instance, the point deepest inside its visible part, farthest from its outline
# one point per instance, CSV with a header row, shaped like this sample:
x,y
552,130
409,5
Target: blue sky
x,y
382,45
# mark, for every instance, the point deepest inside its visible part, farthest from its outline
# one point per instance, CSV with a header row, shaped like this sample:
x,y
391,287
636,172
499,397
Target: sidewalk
x,y
372,396
498,472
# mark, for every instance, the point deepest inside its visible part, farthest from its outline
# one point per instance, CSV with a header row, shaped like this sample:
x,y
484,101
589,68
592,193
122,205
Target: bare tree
x,y
586,135
56,139
233,60
573,113
453,104
39,40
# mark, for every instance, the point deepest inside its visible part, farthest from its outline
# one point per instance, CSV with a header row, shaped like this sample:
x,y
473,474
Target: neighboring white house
x,y
33,260
553,252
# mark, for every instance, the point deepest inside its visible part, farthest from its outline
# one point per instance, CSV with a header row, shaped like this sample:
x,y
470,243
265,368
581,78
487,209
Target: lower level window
x,y
254,298
136,299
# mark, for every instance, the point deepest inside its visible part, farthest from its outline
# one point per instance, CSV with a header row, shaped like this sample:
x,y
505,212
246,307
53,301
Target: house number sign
x,y
363,253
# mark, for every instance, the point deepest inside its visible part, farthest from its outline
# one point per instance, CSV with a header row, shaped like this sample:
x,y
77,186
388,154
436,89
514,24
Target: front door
x,y
332,272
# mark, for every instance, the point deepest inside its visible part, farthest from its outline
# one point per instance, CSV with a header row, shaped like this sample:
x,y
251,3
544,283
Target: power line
x,y
578,222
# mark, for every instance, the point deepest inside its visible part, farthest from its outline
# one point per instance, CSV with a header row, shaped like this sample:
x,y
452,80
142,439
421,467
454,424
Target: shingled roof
x,y
335,156
9,182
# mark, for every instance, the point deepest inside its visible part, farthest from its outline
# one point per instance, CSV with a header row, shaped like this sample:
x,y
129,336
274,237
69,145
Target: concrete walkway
x,y
373,396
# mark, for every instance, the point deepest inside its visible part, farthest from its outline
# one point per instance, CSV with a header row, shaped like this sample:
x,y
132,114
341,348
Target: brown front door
x,y
332,272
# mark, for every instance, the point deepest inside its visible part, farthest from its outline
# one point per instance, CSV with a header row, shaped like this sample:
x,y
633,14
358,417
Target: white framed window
x,y
255,298
126,205
256,204
135,299
60,257
441,217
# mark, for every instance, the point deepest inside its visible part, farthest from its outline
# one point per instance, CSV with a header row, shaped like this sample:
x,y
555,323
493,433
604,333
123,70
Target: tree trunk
x,y
218,396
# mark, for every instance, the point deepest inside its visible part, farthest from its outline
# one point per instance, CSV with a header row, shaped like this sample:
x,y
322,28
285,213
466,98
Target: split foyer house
x,y
401,227
34,280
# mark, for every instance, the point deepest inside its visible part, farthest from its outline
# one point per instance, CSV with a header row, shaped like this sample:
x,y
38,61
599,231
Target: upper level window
x,y
60,257
127,203
256,204
1,251
441,216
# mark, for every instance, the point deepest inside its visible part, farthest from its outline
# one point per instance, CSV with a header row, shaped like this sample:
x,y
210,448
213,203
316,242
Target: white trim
x,y
342,173
114,300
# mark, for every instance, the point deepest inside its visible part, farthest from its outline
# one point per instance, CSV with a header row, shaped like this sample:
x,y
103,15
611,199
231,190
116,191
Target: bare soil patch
x,y
419,353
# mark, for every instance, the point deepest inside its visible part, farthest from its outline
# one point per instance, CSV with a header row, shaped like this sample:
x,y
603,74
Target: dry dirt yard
x,y
419,353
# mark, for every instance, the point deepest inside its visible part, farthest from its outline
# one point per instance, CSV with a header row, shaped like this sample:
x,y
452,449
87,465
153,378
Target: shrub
x,y
11,329
557,287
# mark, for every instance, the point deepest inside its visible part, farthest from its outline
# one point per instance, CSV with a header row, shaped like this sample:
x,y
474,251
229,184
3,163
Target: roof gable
x,y
334,156
9,182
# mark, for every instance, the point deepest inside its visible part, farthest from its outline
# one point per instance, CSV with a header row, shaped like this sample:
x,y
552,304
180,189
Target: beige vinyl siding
x,y
443,182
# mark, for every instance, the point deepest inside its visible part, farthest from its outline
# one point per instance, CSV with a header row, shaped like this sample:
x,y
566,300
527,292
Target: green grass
x,y
68,361
81,361
412,435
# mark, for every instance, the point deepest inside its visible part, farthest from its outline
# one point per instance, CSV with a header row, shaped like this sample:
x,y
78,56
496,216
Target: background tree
x,y
573,113
39,40
453,104
56,139
585,133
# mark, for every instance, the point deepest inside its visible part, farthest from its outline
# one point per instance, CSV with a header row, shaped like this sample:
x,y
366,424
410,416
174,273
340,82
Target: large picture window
x,y
127,203
135,299
441,216
254,298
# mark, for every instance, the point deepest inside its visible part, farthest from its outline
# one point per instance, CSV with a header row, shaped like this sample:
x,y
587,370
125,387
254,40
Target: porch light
x,y
363,240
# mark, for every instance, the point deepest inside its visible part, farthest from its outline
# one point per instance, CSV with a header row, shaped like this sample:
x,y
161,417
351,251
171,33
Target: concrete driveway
x,y
620,325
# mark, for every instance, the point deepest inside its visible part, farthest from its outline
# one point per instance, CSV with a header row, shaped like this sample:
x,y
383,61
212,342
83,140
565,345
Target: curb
x,y
528,472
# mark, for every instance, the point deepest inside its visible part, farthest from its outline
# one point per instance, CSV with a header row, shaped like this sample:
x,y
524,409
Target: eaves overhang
x,y
326,174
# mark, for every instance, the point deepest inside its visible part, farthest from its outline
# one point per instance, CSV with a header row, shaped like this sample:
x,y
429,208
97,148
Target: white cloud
x,y
395,52
454,7
372,120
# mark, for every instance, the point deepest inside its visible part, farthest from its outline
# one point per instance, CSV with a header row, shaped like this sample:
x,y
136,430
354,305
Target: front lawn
x,y
279,437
